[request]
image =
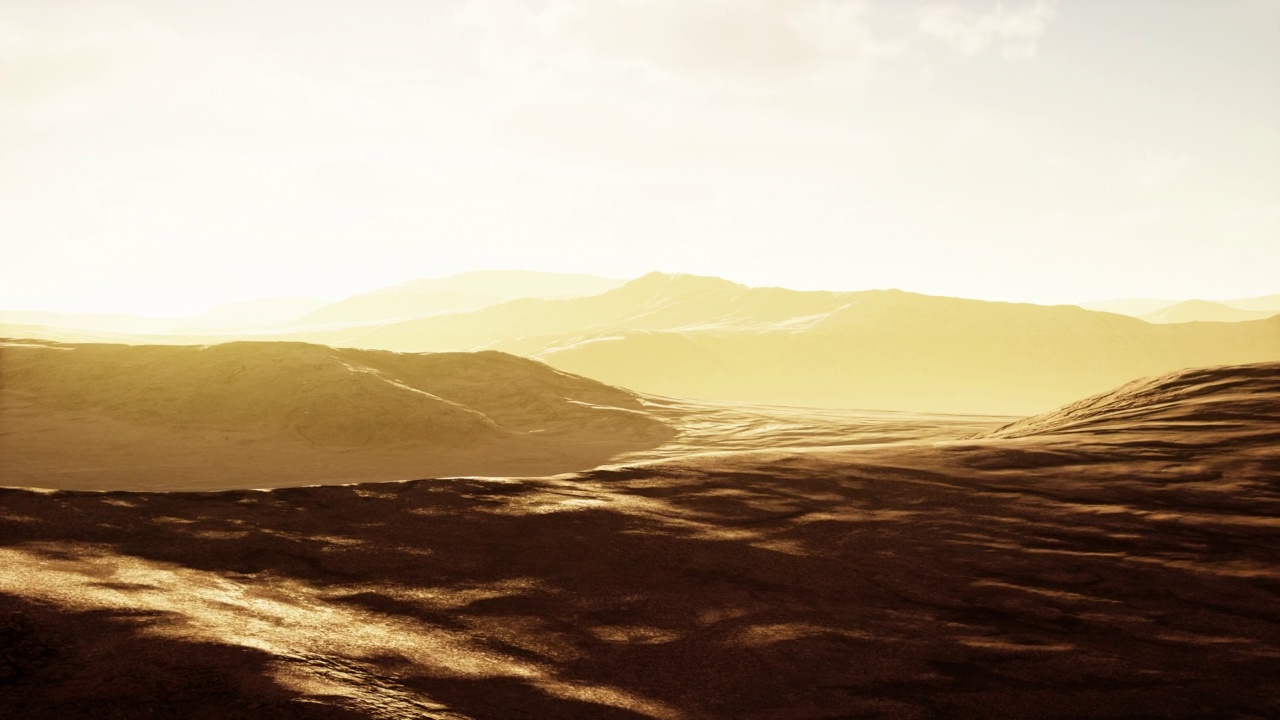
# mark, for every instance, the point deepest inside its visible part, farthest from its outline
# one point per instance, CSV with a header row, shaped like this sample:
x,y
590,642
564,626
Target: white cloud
x,y
1013,33
739,45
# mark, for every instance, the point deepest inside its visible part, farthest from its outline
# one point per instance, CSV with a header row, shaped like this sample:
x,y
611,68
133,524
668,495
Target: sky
x,y
161,157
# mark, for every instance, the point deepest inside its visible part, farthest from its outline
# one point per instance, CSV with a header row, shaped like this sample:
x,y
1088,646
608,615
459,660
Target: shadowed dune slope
x,y
1203,398
267,414
1098,573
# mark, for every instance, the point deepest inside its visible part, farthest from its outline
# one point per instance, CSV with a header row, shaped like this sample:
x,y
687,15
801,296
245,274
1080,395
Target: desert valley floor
x,y
617,555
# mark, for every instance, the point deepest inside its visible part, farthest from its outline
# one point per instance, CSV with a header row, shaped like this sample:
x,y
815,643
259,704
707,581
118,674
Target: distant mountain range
x,y
1205,311
416,298
1176,311
709,338
467,291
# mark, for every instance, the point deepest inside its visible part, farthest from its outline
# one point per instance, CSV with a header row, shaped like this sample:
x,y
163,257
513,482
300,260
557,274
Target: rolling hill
x,y
271,414
1086,568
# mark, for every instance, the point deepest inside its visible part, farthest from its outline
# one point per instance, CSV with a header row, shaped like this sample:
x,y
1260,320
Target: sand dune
x,y
271,414
1210,399
1088,569
102,416
705,427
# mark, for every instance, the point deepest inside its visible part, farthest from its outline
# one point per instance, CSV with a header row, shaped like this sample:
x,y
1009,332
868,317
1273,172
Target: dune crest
x,y
1241,395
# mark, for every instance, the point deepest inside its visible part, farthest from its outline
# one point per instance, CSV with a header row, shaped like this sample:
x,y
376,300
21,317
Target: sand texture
x,y
1115,559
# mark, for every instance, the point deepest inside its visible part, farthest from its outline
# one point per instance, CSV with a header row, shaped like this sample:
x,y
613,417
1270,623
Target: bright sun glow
x,y
160,158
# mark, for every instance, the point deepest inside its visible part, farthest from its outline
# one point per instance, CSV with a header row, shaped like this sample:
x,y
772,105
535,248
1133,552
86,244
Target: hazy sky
x,y
161,157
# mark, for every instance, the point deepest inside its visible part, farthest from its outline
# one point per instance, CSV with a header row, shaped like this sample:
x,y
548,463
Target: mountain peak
x,y
680,283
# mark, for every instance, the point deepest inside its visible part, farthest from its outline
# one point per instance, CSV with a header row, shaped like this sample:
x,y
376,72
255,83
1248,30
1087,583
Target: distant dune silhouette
x,y
1205,311
699,337
454,293
1145,308
711,339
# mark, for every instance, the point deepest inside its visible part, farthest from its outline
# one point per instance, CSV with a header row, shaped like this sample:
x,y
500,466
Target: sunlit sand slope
x,y
1095,573
272,414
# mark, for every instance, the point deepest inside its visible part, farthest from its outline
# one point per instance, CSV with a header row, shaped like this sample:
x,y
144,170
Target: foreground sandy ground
x,y
1118,559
